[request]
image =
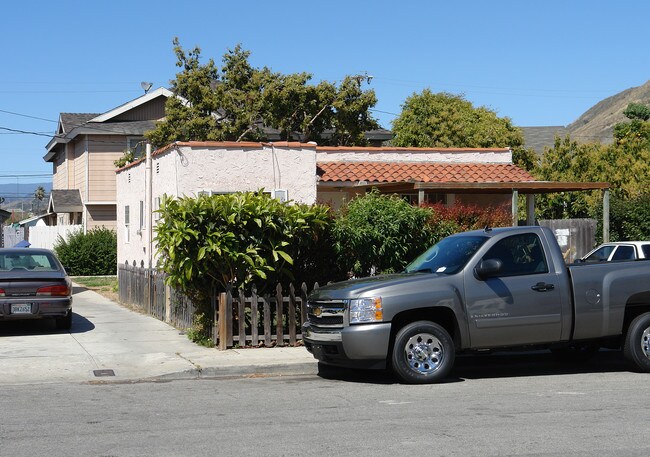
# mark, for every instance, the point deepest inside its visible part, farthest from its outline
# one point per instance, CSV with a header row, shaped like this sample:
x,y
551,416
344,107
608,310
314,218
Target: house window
x,y
141,215
212,192
156,214
436,198
411,198
126,223
137,146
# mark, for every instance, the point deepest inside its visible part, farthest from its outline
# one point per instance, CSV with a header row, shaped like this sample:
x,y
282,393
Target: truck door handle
x,y
543,287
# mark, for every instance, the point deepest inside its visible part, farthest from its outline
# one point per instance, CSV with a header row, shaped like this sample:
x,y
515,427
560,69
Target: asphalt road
x,y
492,406
53,404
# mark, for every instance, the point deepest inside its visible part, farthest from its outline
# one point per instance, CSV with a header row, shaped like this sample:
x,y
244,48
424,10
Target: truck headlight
x,y
366,310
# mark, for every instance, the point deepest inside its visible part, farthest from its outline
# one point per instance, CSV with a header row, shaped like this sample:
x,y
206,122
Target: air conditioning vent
x,y
281,194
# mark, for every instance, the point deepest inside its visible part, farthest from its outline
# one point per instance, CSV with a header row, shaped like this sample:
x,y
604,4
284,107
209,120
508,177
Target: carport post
x,y
515,209
605,215
530,209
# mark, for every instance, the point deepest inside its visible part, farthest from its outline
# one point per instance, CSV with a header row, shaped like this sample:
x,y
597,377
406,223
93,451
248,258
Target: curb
x,y
282,369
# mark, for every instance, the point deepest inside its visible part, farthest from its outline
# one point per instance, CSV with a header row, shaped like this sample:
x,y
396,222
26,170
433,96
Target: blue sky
x,y
537,62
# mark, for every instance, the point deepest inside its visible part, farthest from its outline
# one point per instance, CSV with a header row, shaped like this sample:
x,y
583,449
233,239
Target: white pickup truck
x,y
622,250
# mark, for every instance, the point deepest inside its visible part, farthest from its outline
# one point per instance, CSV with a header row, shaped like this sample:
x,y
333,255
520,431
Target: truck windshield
x,y
448,256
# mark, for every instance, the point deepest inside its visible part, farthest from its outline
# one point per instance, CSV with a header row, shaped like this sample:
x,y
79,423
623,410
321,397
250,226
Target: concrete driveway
x,y
110,343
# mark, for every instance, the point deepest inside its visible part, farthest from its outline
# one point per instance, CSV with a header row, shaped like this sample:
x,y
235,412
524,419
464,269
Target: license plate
x,y
21,309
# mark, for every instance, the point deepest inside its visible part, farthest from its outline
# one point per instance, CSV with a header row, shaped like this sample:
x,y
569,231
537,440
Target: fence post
x,y
242,318
149,289
215,316
255,337
267,321
168,303
292,315
223,325
303,305
279,316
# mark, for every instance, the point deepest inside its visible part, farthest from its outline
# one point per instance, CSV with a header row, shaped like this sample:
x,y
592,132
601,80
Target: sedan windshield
x,y
448,256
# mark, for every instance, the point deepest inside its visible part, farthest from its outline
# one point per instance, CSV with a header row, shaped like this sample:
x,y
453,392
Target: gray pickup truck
x,y
481,290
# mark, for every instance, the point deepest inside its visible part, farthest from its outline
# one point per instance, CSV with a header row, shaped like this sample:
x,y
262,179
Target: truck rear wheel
x,y
423,353
637,342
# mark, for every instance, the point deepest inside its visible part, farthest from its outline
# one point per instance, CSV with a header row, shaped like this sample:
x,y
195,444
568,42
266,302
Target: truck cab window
x,y
519,254
624,253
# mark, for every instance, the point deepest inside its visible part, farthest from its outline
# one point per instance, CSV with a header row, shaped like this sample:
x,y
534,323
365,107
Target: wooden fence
x,y
240,319
255,320
576,237
146,290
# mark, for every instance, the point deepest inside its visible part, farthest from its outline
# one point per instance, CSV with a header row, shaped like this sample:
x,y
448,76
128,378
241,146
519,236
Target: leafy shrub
x,y
212,243
126,159
629,219
235,239
380,233
91,254
461,217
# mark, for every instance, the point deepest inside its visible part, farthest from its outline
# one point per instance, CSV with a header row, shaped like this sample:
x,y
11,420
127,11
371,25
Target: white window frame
x,y
127,223
142,216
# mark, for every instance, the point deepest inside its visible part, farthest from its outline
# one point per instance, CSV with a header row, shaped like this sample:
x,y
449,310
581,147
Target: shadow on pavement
x,y
78,289
497,365
539,363
43,326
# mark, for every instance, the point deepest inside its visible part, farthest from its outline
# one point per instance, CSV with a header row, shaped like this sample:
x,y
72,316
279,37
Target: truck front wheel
x,y
423,353
637,342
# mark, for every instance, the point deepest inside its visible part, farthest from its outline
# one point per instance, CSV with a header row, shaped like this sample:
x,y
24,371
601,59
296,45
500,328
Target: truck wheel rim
x,y
645,342
424,353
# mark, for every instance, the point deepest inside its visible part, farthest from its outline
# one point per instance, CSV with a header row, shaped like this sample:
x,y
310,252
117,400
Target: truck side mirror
x,y
488,268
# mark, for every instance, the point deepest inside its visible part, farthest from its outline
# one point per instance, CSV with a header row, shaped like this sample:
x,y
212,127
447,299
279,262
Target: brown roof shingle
x,y
390,172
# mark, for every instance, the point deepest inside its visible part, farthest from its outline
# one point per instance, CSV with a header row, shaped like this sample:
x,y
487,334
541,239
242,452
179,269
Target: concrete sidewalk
x,y
110,343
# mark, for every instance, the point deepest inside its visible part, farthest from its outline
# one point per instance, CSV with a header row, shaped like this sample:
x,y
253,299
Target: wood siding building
x,y
86,145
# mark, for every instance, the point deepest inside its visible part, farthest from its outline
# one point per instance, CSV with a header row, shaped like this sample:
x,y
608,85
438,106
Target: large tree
x,y
235,102
445,120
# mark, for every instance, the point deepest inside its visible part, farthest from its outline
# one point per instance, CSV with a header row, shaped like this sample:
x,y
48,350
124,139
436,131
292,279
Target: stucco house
x,y
84,148
306,173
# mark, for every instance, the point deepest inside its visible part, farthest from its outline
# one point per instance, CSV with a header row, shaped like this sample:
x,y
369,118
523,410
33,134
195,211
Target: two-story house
x,y
83,151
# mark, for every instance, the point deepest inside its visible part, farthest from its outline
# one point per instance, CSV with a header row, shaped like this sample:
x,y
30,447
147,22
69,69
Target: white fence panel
x,y
46,236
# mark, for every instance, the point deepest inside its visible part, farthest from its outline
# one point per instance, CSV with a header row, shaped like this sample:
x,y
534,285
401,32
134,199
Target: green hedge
x,y
91,254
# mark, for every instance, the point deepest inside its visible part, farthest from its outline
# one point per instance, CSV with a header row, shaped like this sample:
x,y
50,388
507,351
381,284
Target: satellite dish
x,y
146,86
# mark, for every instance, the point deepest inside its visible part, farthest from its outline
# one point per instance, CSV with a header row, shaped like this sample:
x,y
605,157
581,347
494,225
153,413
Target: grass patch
x,y
108,283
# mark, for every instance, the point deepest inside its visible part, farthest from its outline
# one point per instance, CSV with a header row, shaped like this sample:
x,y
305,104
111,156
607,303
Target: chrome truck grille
x,y
326,313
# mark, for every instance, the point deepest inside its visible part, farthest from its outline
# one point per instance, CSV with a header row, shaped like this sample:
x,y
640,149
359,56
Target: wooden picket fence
x,y
255,320
240,319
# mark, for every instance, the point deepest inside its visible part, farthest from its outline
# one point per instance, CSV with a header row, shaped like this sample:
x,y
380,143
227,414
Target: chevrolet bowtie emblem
x,y
318,311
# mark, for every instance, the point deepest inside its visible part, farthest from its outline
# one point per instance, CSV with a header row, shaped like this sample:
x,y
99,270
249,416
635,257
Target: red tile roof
x,y
388,172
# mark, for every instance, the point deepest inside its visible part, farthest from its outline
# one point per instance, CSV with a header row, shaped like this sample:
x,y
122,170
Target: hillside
x,y
597,123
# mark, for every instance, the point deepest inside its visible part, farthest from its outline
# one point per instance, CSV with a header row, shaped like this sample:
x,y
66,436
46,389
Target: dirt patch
x,y
106,292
